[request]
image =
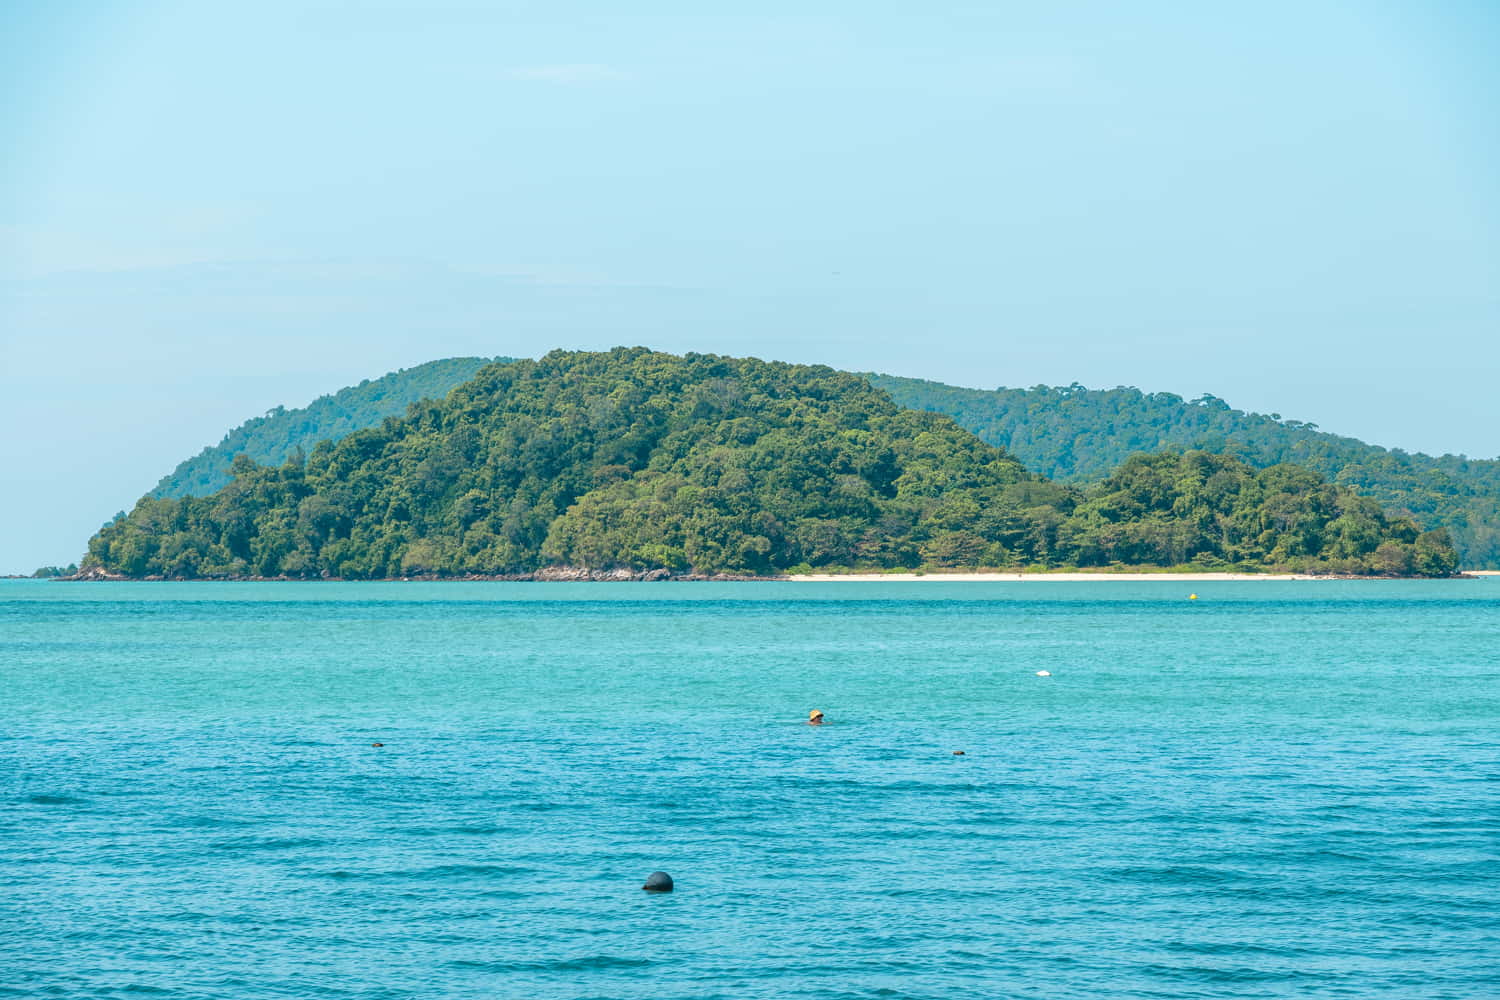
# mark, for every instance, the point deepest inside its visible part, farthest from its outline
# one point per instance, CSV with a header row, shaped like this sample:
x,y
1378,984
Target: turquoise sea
x,y
1277,790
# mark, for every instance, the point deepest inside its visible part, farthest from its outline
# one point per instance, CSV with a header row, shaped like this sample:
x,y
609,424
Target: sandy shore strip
x,y
1046,577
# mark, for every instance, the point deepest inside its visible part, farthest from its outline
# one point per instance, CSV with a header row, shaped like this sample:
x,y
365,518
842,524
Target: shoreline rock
x,y
578,574
93,573
547,574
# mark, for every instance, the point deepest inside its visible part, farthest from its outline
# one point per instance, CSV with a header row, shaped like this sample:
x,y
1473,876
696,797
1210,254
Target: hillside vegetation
x,y
275,437
1070,434
1079,435
703,464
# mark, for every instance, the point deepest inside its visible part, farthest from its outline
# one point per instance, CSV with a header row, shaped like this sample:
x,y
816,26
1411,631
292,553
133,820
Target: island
x,y
635,464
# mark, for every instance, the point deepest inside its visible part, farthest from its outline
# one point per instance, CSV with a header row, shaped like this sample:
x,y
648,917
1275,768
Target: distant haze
x,y
207,210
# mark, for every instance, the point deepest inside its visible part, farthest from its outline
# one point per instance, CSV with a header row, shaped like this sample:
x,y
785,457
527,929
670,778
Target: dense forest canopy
x,y
275,437
703,464
1070,433
1079,435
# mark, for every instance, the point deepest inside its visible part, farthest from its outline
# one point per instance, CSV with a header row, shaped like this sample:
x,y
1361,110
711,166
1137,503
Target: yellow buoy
x,y
1192,597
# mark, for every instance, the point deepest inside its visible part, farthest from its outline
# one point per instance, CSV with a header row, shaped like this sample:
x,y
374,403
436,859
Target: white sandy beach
x,y
1074,577
1045,577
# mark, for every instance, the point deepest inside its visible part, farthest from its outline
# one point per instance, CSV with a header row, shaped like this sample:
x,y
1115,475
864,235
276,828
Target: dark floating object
x,y
658,882
377,744
958,753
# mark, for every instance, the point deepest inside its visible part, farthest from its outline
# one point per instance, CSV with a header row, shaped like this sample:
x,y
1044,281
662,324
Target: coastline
x,y
575,575
1053,577
1077,577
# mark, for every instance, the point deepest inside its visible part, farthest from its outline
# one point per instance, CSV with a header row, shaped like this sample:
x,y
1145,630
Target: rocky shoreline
x,y
578,574
547,574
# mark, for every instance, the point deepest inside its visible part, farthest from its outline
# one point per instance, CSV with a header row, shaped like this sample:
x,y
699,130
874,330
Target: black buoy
x,y
658,882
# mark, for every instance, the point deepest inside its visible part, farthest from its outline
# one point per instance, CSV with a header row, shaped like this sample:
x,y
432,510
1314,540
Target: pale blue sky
x,y
210,209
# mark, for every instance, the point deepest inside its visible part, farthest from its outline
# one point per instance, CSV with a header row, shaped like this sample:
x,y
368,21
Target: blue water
x,y
1277,790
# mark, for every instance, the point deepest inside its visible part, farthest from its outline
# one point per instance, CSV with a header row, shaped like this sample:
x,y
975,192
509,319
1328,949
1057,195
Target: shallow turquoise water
x,y
1281,789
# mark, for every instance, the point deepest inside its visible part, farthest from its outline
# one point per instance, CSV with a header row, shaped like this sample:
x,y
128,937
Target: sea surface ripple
x,y
1277,790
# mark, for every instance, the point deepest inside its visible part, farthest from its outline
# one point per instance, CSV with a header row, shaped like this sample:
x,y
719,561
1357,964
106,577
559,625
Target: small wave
x,y
1209,974
1331,855
1235,948
266,843
443,831
587,963
1190,875
540,806
448,871
208,822
437,873
936,783
55,799
1466,824
187,917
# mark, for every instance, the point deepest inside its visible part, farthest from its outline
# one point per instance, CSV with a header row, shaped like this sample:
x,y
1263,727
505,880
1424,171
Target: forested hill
x,y
1071,434
271,439
643,461
1079,435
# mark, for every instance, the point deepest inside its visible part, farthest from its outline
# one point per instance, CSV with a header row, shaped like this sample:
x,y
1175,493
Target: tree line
x,y
704,464
273,438
1080,435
